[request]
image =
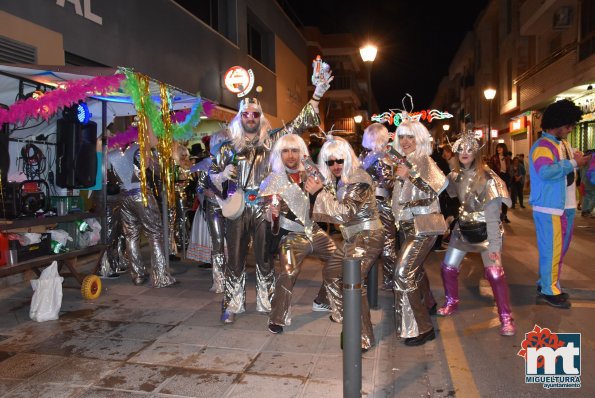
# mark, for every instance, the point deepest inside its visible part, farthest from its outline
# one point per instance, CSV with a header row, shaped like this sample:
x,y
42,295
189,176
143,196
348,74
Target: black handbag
x,y
474,232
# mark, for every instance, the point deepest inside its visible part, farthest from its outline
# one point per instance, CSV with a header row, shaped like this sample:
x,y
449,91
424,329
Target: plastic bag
x,y
47,296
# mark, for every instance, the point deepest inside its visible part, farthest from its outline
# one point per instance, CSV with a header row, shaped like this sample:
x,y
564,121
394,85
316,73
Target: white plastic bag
x,y
47,296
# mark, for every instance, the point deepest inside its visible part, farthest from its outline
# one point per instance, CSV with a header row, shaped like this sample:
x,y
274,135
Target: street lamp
x,y
445,127
489,94
368,54
358,119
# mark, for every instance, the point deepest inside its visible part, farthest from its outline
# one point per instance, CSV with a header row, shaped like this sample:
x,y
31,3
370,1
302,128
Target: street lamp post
x,y
368,54
489,94
445,127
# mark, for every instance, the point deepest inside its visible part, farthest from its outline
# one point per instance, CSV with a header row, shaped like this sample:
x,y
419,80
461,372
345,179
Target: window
x,y
587,43
261,43
218,14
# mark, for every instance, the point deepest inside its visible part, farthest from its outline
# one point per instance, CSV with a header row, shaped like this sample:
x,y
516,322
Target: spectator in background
x,y
518,172
588,189
500,163
552,164
526,166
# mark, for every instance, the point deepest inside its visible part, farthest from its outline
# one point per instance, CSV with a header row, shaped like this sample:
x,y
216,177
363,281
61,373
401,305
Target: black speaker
x,y
4,154
76,160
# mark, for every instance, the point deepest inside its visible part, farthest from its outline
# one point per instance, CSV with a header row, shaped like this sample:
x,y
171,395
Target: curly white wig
x,y
338,148
289,141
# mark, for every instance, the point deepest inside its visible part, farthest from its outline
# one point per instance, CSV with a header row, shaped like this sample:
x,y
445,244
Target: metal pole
x,y
352,328
489,127
373,286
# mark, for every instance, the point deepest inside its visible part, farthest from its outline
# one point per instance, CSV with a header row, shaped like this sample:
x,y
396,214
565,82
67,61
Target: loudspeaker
x,y
76,160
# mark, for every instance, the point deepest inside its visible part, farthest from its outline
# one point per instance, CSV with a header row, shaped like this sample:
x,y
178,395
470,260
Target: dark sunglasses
x,y
255,115
330,163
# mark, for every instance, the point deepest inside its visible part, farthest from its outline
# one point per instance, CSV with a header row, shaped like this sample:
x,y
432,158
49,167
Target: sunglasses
x,y
246,115
330,163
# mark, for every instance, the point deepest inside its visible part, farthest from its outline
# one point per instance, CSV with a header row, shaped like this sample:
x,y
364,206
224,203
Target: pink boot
x,y
497,278
450,279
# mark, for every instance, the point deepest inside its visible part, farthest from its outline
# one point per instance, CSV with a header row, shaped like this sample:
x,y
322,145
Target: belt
x,y
352,230
291,225
382,192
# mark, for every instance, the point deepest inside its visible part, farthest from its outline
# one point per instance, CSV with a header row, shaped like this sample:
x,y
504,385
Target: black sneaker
x,y
555,301
275,329
565,296
421,339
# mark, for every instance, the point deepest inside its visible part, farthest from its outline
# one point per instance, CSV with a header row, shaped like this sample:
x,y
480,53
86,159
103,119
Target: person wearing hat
x,y
241,164
552,170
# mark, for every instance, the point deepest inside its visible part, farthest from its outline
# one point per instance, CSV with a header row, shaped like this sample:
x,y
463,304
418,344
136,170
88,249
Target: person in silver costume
x,y
137,218
354,208
415,193
298,236
113,261
380,166
478,229
251,139
212,213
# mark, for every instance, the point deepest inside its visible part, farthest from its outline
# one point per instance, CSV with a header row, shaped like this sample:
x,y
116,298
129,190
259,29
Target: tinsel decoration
x,y
143,136
65,95
166,160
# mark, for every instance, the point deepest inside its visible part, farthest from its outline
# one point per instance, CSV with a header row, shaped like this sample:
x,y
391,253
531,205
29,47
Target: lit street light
x,y
368,53
358,119
489,94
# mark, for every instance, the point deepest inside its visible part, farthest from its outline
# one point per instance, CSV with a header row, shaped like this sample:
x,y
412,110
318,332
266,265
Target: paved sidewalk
x,y
137,341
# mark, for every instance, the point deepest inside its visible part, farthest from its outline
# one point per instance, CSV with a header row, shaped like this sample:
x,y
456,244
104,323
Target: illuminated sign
x,y
518,125
397,118
239,80
478,133
494,133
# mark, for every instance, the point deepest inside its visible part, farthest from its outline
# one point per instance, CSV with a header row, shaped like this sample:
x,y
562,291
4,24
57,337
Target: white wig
x,y
236,131
423,146
289,141
375,137
338,148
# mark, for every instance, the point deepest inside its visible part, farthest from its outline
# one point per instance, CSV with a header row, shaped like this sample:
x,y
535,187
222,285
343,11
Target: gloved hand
x,y
230,172
321,78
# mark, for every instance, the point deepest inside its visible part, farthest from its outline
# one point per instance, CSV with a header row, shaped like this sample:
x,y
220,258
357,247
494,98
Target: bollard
x,y
352,328
373,286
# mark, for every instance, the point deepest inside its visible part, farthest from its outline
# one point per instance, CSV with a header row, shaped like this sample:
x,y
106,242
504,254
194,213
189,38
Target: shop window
x,y
261,43
587,43
218,14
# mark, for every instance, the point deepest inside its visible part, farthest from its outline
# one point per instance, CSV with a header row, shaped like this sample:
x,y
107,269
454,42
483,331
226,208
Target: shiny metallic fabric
x,y
216,224
366,245
294,248
419,193
252,222
391,244
137,218
114,258
411,315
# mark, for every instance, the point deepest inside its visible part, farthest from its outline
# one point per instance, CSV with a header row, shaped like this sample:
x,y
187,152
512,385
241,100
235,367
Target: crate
x,y
28,252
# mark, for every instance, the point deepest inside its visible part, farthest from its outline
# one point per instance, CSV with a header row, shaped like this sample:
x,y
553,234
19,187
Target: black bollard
x,y
373,286
352,328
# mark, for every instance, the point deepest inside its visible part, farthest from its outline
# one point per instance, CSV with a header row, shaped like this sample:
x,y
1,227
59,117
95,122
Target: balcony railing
x,y
546,62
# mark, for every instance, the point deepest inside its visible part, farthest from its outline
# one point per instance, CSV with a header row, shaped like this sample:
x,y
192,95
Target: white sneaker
x,y
320,307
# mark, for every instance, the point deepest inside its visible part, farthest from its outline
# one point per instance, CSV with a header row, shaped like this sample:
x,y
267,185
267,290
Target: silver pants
x,y
366,245
411,315
114,258
137,218
454,257
237,234
294,248
389,252
216,225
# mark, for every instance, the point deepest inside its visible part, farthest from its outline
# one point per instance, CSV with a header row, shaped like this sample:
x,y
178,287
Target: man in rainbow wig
x,y
243,163
552,167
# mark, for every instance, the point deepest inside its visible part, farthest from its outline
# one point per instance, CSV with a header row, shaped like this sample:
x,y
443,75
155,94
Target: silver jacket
x,y
381,168
259,155
418,194
353,207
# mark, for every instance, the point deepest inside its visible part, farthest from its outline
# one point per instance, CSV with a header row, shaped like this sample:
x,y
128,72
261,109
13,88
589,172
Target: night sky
x,y
417,40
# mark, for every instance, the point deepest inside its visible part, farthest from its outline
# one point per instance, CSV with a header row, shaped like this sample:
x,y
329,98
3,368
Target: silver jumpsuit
x,y
251,223
416,195
301,237
354,208
380,167
137,218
